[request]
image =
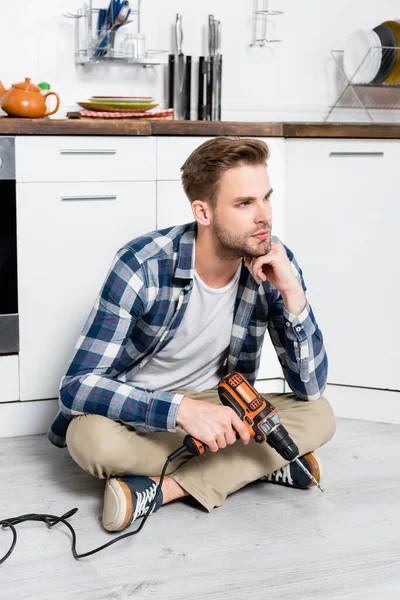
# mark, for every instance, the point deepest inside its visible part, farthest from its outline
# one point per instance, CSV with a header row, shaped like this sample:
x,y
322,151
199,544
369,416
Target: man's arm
x,y
90,384
293,329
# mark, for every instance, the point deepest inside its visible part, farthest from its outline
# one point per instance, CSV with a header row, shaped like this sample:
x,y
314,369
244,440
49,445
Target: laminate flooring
x,y
266,541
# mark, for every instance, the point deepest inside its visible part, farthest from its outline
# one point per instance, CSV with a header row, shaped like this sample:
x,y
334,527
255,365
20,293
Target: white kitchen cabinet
x,y
342,217
9,377
87,158
68,234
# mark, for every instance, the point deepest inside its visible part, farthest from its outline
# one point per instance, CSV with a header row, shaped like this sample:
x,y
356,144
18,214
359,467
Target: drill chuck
x,y
280,440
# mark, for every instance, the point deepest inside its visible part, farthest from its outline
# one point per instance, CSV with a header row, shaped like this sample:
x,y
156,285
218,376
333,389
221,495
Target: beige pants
x,y
106,448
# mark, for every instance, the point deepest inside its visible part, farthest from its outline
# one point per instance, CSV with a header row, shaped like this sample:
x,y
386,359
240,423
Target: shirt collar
x,y
185,264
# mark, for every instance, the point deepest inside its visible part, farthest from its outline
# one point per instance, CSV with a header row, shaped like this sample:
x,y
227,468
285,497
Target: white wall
x,y
291,80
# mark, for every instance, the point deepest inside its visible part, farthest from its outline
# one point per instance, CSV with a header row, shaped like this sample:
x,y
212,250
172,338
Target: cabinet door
x,y
342,220
68,234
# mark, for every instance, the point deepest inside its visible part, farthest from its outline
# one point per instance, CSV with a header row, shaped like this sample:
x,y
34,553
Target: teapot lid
x,y
27,85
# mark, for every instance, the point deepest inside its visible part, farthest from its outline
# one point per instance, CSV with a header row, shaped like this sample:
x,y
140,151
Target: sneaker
x,y
292,475
127,498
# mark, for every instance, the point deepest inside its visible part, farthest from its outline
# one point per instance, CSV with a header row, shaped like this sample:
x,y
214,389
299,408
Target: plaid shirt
x,y
138,311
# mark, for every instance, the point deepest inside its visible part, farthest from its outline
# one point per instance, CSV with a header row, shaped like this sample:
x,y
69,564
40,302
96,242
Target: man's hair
x,y
203,169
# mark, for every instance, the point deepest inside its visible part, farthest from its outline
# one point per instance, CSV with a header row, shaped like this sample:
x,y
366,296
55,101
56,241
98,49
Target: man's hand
x,y
210,423
275,267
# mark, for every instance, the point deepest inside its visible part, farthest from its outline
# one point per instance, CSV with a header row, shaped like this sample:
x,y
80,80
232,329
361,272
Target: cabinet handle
x,y
84,198
91,151
335,154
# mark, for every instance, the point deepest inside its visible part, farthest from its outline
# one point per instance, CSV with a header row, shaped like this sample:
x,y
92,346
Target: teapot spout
x,y
2,89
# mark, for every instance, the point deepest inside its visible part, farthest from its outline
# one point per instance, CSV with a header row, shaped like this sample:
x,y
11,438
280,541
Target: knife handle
x,y
188,87
200,98
171,80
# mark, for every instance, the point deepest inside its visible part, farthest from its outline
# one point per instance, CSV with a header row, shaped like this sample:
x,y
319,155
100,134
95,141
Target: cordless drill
x,y
258,415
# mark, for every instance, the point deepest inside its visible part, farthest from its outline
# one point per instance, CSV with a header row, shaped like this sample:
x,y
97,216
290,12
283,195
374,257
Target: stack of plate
x,y
119,103
373,56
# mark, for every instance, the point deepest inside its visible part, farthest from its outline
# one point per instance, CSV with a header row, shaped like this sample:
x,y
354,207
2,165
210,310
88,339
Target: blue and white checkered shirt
x,y
138,311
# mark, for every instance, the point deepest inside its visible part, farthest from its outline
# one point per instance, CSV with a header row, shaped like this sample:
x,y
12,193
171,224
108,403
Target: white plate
x,y
362,56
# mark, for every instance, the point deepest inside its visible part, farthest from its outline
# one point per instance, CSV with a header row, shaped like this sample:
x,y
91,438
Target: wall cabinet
x,y
342,218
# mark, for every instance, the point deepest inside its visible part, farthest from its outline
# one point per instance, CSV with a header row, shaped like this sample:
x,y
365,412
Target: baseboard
x,y
366,404
32,418
26,418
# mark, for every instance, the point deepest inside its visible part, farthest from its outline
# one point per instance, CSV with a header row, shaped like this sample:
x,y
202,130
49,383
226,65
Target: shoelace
x,y
283,473
143,501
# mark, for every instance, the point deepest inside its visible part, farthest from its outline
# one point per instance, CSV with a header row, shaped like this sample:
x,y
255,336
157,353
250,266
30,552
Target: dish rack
x,y
87,40
367,96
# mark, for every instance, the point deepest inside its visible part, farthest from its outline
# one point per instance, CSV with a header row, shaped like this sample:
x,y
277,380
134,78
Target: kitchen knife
x,y
188,87
201,116
179,104
217,72
210,74
171,80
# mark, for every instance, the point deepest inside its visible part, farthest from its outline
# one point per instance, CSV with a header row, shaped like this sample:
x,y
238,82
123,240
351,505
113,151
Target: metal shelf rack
x,y
366,96
261,17
87,39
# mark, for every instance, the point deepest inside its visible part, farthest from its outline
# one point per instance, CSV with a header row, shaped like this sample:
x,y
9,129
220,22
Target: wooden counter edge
x,y
12,126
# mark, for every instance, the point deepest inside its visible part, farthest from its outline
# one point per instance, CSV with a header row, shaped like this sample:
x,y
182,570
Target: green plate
x,y
118,106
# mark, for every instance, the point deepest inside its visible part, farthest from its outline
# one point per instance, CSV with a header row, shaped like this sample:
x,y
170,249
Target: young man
x,y
179,309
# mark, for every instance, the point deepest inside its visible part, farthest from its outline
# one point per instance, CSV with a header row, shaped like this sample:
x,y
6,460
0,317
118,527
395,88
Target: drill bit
x,y
307,472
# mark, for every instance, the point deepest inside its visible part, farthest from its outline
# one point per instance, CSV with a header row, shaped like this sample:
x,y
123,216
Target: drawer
x,y
71,158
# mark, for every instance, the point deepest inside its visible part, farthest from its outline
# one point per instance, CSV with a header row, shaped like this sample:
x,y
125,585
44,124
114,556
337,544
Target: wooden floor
x,y
266,542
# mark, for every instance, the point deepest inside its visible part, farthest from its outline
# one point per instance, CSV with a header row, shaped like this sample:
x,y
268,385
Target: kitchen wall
x,y
293,80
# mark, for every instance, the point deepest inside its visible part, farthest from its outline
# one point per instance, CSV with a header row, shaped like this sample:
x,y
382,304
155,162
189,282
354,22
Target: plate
x,y
118,106
122,98
362,56
394,75
388,41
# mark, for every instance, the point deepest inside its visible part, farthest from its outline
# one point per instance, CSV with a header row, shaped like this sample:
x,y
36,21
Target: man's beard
x,y
230,245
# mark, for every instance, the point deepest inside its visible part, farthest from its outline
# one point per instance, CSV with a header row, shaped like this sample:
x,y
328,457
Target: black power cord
x,y
52,520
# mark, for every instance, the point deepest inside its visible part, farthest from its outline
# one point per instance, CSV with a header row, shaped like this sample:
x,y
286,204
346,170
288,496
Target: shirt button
x,y
298,329
287,324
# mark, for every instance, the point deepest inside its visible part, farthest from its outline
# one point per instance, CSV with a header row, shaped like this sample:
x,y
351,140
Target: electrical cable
x,y
52,520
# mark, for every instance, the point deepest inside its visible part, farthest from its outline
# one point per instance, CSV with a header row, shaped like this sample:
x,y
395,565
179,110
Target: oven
x,y
9,337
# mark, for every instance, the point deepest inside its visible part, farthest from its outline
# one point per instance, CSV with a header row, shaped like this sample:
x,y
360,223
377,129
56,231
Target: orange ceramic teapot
x,y
25,100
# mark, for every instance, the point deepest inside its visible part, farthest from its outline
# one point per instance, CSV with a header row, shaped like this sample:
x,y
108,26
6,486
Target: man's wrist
x,y
294,300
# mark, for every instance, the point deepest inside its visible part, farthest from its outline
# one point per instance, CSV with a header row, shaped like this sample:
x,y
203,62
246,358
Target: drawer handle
x,y
84,198
334,154
92,151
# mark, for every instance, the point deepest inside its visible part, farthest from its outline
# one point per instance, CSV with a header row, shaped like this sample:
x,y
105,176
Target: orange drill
x,y
259,416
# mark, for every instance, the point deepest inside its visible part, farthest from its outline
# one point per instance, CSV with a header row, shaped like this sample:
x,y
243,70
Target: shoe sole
x,y
314,465
117,493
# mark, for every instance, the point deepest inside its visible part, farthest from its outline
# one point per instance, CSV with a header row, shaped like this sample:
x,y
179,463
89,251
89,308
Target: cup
x,y
135,45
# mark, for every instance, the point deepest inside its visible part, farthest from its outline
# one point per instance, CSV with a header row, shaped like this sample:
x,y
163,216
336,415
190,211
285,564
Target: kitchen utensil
x,y
210,73
117,15
394,75
180,60
388,41
26,100
171,80
362,56
217,71
188,87
202,75
117,106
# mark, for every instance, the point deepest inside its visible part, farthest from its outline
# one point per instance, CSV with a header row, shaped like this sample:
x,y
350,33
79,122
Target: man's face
x,y
242,219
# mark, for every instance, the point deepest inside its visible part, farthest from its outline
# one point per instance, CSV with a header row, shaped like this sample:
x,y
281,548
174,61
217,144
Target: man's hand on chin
x,y
275,267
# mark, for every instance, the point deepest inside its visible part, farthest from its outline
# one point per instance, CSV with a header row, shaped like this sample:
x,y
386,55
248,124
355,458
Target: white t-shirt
x,y
194,358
